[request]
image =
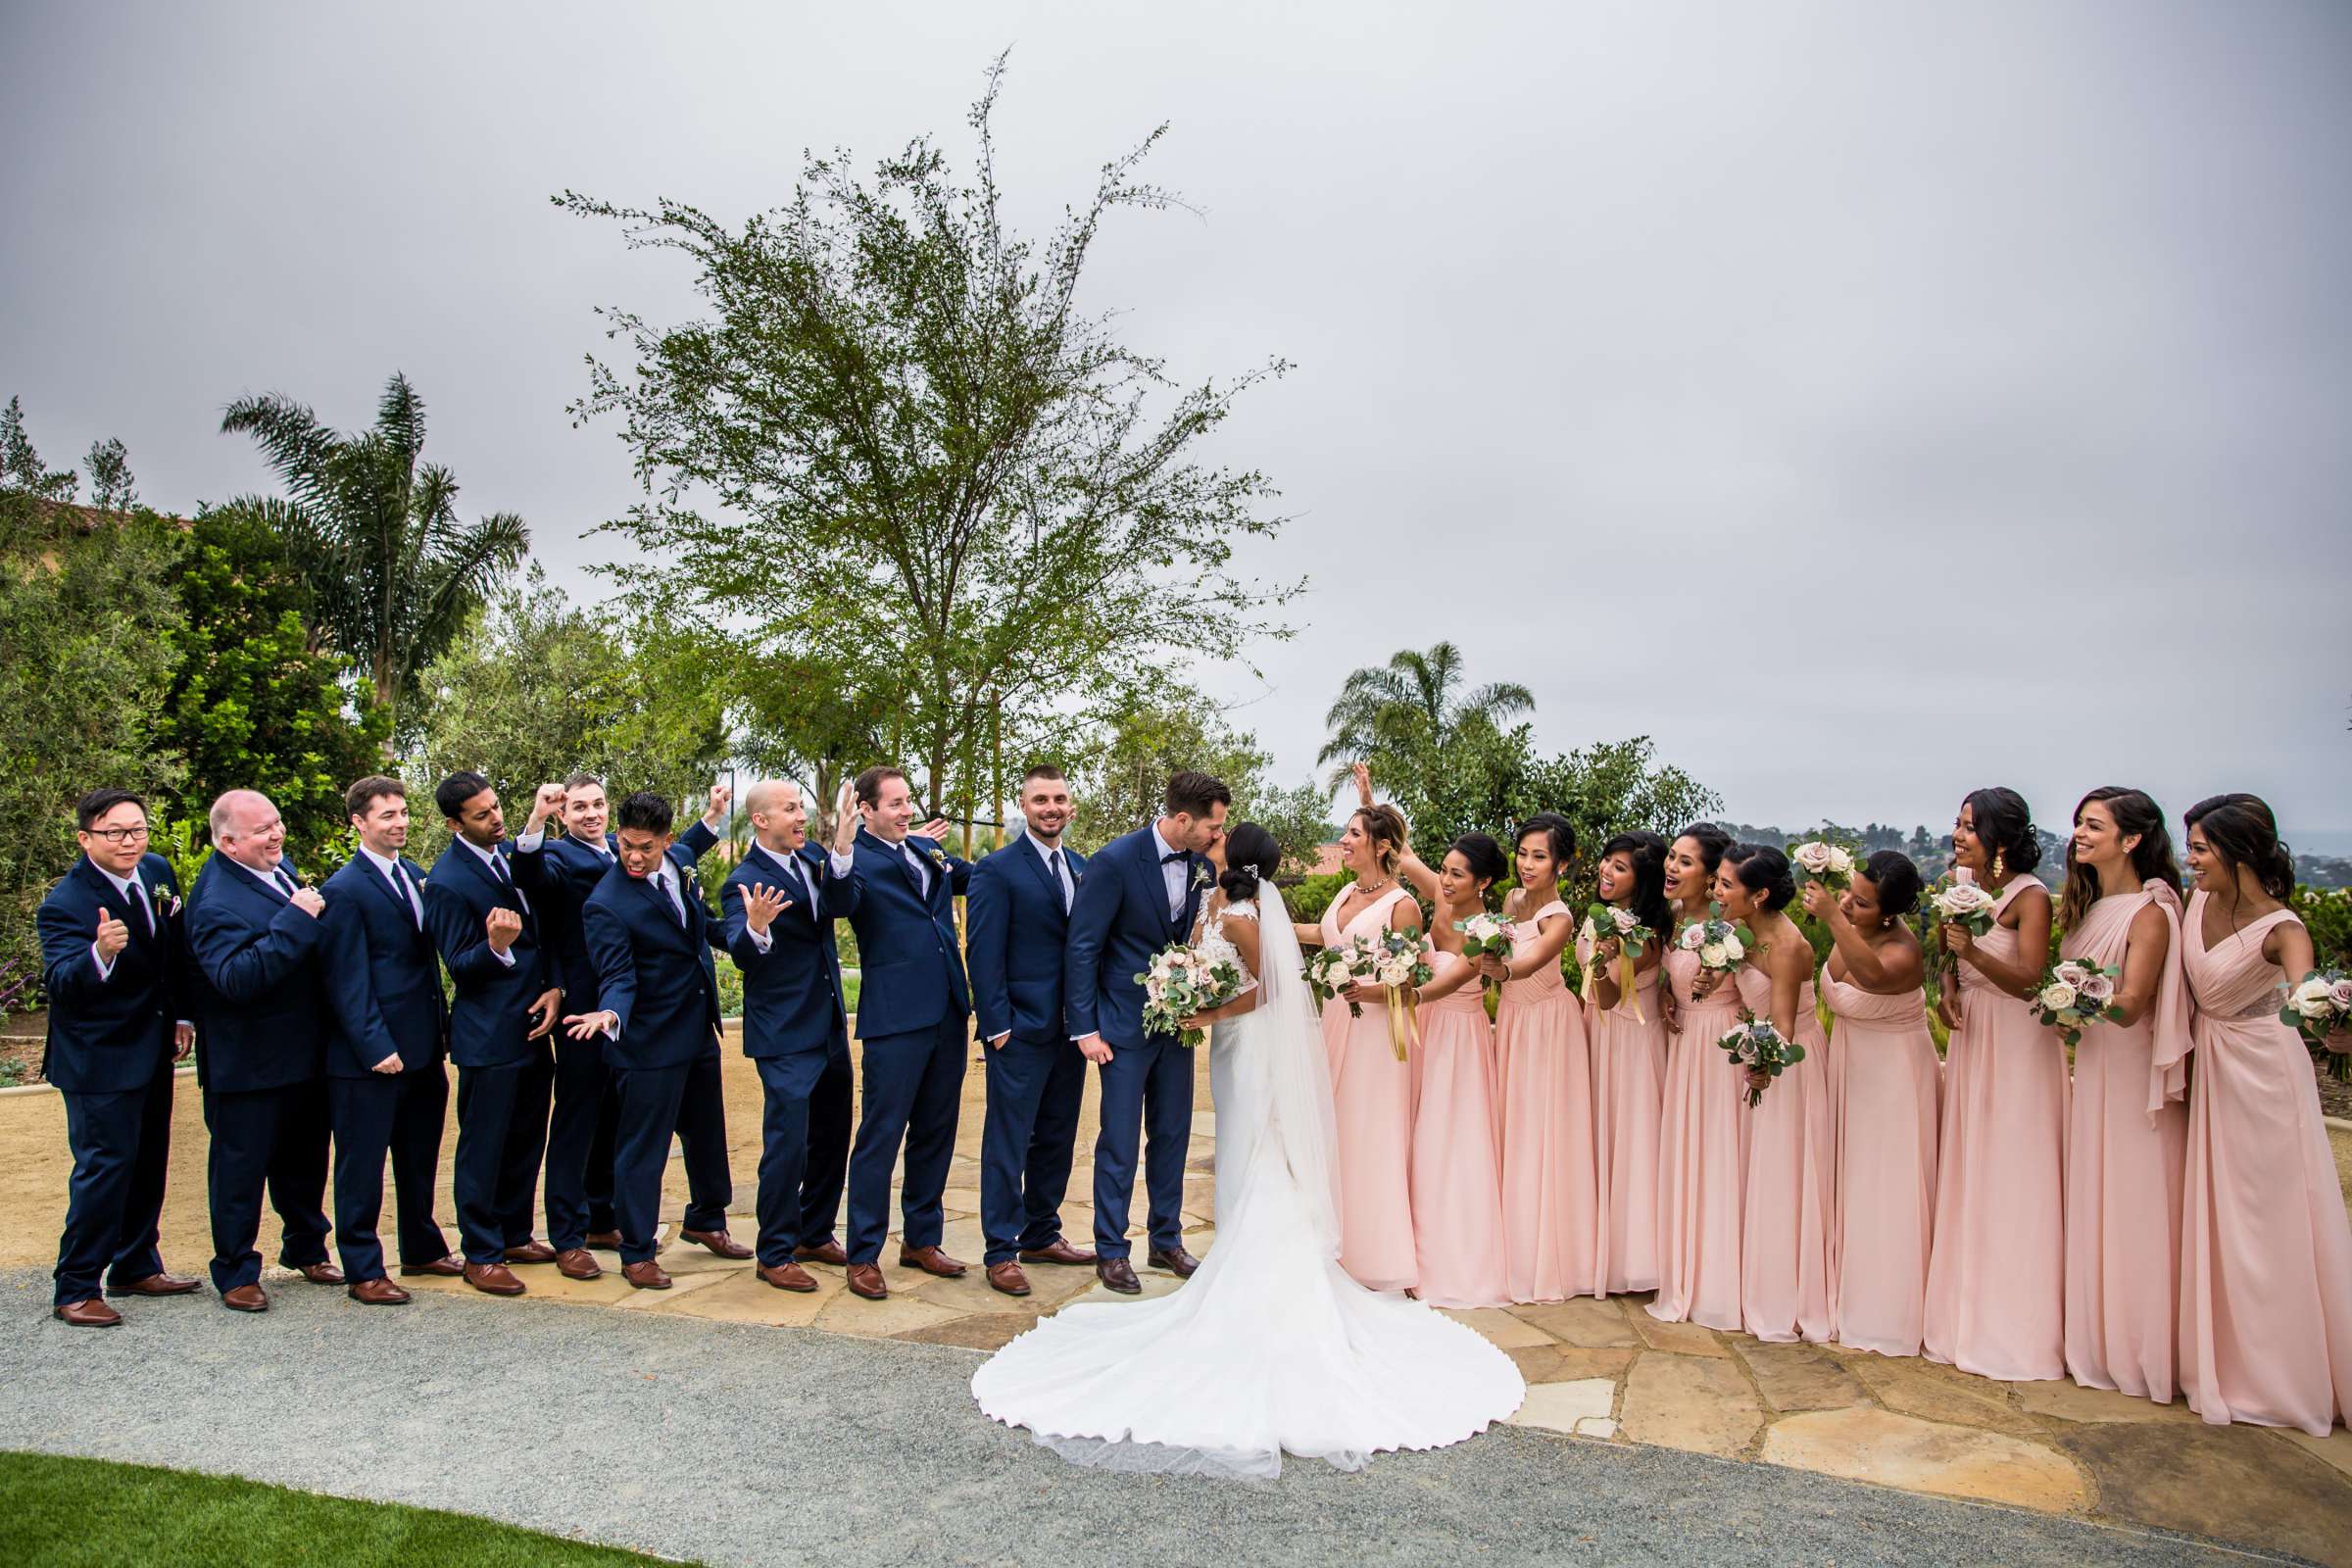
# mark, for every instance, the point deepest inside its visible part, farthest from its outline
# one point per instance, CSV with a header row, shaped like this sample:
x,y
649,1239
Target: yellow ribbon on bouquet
x,y
1404,1023
1628,997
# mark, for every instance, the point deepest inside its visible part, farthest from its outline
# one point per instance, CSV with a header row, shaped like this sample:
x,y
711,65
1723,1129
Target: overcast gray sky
x,y
1869,401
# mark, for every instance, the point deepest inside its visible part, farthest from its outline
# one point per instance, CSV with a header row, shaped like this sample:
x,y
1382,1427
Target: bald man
x,y
255,938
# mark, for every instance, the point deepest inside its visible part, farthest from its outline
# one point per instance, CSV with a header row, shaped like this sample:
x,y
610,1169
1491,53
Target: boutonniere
x,y
309,879
1204,874
937,856
166,902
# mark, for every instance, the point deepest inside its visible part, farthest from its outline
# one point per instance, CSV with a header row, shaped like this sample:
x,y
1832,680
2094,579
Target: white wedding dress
x,y
1270,1347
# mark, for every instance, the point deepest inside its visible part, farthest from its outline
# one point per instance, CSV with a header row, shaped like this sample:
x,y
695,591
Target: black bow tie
x,y
1170,859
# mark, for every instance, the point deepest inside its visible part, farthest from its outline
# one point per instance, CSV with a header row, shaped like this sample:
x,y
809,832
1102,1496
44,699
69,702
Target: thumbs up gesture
x,y
113,935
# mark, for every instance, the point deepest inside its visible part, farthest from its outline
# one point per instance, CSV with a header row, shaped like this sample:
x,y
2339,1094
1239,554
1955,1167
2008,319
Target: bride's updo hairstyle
x,y
1764,872
1484,857
1384,825
1250,856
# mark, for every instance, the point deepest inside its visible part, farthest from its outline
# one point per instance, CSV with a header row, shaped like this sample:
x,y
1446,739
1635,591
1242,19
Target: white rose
x,y
2057,995
2315,1008
1732,949
1711,956
1693,937
1841,862
1813,856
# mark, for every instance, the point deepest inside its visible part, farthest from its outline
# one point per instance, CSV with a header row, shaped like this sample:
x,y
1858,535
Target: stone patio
x,y
1597,1370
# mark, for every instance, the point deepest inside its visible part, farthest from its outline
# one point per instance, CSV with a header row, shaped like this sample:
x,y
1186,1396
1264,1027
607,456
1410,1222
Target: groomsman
x,y
386,1090
1017,921
912,1012
779,907
505,1008
112,956
1142,895
261,1048
657,1009
561,871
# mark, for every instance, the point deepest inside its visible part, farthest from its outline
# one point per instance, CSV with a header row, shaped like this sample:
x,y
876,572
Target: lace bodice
x,y
1217,948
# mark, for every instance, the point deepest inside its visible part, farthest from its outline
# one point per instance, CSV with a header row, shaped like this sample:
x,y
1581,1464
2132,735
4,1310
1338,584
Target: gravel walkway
x,y
729,1446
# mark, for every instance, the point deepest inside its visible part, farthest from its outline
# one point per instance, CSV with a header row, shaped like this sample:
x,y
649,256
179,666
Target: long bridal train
x,y
1270,1347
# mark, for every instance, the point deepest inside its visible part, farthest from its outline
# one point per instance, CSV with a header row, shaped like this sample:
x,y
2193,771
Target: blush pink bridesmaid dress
x,y
1997,1276
1550,1199
1456,1168
1885,1163
2126,1144
1629,1097
1788,1232
2266,1253
1702,1159
1372,1099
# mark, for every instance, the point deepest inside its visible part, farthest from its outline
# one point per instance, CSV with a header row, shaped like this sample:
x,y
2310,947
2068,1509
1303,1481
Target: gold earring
x,y
2000,863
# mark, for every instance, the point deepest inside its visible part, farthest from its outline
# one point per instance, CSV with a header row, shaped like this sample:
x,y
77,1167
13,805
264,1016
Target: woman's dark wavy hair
x,y
2243,831
1560,832
1250,856
1713,842
1648,852
2151,858
2004,825
1763,869
1896,877
1484,856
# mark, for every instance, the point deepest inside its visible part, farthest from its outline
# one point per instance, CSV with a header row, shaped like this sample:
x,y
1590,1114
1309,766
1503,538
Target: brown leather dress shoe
x,y
1176,1260
788,1277
493,1279
90,1314
533,1250
646,1276
452,1267
720,1243
318,1273
158,1285
931,1260
246,1299
832,1252
1119,1275
377,1291
574,1263
1062,1251
1008,1278
609,1239
866,1279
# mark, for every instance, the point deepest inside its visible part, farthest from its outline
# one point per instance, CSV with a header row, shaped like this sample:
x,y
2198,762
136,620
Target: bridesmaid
x,y
1894,1080
1371,1090
1703,1138
1456,1168
2127,1128
1629,1064
1788,1231
2266,1254
1551,1208
1997,1277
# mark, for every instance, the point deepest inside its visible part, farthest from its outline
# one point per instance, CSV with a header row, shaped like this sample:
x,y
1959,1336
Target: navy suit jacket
x,y
108,1035
558,876
384,978
910,974
792,998
652,974
260,986
1014,931
490,1020
1119,921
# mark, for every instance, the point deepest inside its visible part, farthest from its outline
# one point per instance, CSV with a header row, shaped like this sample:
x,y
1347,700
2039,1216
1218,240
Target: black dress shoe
x,y
1119,1275
1176,1260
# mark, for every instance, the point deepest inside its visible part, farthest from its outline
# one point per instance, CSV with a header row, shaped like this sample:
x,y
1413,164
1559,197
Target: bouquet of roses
x,y
2072,994
1755,1046
1399,961
2319,1006
1332,970
1603,921
1719,944
1181,982
1830,864
1964,904
1486,936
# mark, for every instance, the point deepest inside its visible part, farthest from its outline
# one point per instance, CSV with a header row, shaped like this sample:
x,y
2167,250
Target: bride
x,y
1270,1347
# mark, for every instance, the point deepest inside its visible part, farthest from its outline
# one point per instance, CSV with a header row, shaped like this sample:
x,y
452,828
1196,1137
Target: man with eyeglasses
x,y
112,959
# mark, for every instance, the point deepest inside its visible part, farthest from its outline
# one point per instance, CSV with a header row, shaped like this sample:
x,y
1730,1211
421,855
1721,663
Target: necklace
x,y
1366,890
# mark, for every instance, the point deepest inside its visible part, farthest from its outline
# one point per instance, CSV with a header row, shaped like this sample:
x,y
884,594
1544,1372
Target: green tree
x,y
1613,787
1298,818
1119,781
394,573
960,486
1412,708
23,474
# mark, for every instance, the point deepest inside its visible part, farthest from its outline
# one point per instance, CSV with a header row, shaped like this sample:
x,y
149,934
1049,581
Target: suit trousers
x,y
585,1107
400,1115
1146,1098
913,1088
1034,1090
121,1144
501,1133
274,1140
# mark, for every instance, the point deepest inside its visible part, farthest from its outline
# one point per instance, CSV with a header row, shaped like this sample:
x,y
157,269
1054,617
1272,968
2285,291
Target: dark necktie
x,y
285,883
1053,865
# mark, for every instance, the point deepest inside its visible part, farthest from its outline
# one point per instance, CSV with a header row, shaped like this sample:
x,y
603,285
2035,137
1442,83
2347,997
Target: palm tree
x,y
394,573
1410,704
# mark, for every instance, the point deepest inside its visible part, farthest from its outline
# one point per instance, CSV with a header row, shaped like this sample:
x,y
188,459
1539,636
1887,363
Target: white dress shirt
x,y
798,882
1171,872
133,891
500,874
1057,862
398,875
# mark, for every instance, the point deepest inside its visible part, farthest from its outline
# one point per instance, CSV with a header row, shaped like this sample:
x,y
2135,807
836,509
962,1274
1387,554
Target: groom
x,y
1140,894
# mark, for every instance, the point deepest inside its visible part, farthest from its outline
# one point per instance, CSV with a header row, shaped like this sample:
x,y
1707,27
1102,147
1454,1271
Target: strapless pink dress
x,y
1629,1096
1456,1168
1702,1159
1550,1204
1789,1238
1886,1164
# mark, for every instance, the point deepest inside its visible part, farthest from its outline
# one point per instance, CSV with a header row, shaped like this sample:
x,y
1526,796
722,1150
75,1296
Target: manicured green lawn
x,y
94,1514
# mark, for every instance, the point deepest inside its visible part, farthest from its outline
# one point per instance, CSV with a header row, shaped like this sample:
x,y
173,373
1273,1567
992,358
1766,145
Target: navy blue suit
x,y
912,1008
795,1030
560,874
109,1054
1120,920
655,975
503,1074
261,1059
383,983
1016,923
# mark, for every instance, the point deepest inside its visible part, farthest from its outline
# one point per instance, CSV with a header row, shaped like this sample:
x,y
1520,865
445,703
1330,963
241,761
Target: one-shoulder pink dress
x,y
1702,1159
1996,1279
2266,1253
1456,1167
2126,1145
1629,1099
1788,1237
1551,1200
1372,1099
1885,1163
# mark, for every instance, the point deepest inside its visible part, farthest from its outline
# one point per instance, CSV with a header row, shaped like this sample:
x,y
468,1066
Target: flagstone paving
x,y
1597,1370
